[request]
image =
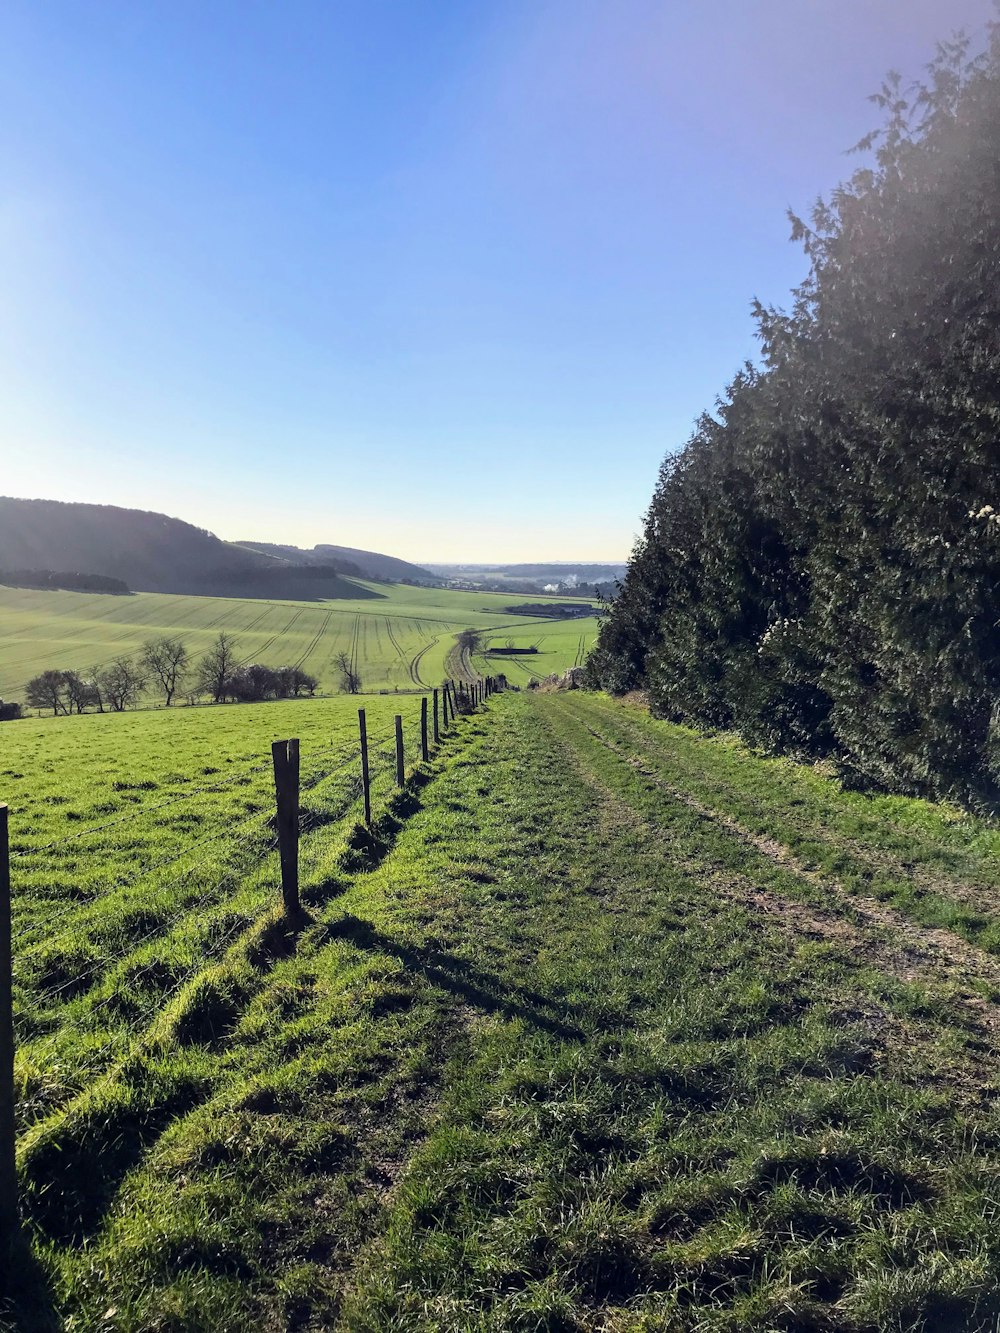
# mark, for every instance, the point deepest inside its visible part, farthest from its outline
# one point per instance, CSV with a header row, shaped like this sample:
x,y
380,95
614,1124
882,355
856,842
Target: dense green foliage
x,y
615,1028
73,582
820,567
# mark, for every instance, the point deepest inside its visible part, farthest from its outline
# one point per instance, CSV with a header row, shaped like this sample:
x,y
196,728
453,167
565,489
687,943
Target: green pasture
x,y
560,643
399,637
142,843
608,1026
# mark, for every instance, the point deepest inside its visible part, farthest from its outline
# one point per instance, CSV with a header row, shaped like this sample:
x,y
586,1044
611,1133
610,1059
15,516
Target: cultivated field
x,y
560,644
398,637
611,1027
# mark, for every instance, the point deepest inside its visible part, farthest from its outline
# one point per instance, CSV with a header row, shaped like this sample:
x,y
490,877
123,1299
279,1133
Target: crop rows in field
x,y
399,639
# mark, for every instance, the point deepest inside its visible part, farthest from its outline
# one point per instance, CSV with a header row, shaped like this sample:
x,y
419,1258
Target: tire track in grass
x,y
247,629
879,933
414,666
266,645
355,642
873,937
403,660
314,642
872,861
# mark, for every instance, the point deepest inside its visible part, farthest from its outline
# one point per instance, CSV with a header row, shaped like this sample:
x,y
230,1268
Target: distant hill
x,y
367,564
565,576
148,551
151,552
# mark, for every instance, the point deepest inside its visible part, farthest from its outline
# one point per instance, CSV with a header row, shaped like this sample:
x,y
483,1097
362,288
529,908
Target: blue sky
x,y
440,279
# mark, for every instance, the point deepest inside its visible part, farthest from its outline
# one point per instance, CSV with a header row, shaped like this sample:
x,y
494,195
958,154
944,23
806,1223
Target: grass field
x,y
399,638
616,1028
560,644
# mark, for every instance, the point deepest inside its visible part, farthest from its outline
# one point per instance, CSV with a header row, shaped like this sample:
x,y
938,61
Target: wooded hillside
x,y
820,567
151,552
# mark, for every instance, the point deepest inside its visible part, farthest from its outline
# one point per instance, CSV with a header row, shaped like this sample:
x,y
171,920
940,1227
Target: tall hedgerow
x,y
820,566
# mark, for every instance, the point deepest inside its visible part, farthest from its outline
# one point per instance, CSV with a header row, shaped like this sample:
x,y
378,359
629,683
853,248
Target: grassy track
x,y
397,637
617,1028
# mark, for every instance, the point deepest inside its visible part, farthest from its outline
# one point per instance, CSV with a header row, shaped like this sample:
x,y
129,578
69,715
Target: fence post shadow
x,y
478,988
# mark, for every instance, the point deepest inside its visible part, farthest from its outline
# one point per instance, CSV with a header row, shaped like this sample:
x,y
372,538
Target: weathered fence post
x,y
400,772
437,729
8,1167
424,752
366,782
286,790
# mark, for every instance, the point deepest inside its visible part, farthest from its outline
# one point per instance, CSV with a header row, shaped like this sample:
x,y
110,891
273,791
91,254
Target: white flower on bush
x,y
775,628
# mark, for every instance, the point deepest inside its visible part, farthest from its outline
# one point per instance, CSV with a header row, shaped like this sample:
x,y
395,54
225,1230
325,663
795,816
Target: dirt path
x,y
979,895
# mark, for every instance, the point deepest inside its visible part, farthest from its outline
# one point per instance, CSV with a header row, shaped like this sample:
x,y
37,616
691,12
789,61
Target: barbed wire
x,y
233,850
160,928
101,966
136,814
140,812
118,887
308,822
85,1073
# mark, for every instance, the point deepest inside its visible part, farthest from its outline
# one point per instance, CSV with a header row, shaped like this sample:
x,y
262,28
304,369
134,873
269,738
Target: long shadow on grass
x,y
481,989
73,1177
27,1302
367,848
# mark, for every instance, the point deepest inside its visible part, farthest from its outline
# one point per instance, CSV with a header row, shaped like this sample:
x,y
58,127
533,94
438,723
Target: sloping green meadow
x,y
560,643
398,637
610,1026
142,846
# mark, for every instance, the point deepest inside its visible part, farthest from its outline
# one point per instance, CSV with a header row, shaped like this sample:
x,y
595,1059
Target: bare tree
x,y
166,659
80,693
121,683
293,681
47,691
217,667
94,680
350,680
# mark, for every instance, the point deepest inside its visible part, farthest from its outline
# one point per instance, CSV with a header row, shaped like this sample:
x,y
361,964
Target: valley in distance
x,y
85,587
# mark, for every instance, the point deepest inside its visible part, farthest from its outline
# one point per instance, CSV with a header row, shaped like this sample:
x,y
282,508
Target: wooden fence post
x,y
366,782
8,1166
437,729
285,755
400,771
424,752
